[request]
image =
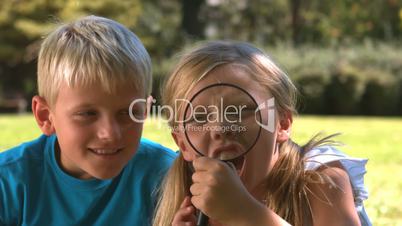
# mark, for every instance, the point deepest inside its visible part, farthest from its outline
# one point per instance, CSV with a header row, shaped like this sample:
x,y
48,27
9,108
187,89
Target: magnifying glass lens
x,y
220,122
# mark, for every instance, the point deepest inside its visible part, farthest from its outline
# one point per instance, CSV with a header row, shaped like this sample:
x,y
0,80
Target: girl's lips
x,y
227,152
233,153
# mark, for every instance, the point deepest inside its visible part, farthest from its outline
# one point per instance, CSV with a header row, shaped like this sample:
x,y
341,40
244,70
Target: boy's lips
x,y
105,151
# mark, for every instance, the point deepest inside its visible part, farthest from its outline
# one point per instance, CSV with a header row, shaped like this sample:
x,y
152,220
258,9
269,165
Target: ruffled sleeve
x,y
355,167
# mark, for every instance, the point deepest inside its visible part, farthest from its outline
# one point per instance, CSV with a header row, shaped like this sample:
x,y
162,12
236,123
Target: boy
x,y
89,167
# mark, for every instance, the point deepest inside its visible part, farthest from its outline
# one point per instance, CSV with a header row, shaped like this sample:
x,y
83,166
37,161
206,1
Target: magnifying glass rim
x,y
210,86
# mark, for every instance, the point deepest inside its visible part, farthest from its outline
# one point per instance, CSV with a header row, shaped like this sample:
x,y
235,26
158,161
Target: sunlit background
x,y
344,56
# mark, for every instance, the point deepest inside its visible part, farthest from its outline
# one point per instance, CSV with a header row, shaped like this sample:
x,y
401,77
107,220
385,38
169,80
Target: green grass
x,y
378,139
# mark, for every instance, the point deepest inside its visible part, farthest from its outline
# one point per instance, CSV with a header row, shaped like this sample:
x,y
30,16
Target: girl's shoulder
x,y
354,167
327,154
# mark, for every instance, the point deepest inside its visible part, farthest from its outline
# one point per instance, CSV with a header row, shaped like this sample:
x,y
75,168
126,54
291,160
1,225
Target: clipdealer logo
x,y
227,116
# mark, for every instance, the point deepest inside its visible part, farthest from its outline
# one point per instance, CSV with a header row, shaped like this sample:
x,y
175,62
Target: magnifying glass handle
x,y
202,219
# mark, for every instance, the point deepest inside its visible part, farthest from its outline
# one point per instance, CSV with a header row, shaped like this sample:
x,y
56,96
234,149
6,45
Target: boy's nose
x,y
109,130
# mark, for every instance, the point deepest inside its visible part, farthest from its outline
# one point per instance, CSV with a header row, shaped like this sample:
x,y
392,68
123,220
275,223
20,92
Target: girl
x,y
277,182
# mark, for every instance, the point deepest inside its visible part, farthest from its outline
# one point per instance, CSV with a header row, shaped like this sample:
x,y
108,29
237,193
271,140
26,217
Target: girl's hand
x,y
219,193
185,216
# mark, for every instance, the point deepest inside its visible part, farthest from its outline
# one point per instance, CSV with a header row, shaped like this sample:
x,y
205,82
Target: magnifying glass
x,y
222,121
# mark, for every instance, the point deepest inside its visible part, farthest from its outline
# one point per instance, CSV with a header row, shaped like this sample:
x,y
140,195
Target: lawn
x,y
378,139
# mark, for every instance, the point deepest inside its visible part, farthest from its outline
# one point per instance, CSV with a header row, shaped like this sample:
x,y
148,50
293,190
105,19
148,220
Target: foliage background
x,y
333,50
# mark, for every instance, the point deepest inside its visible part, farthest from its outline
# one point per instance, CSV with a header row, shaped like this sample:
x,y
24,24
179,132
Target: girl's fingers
x,y
197,189
185,216
199,203
201,177
186,202
205,164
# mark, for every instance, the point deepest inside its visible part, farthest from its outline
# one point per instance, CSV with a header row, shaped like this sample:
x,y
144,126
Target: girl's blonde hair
x,y
92,50
287,187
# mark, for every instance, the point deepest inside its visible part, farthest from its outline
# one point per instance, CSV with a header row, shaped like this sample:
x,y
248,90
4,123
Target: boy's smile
x,y
96,136
105,152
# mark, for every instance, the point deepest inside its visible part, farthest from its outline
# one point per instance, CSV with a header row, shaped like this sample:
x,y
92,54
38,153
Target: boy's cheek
x,y
133,130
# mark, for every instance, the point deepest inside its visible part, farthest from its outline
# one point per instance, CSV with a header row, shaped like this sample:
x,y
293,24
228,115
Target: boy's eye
x,y
124,112
138,114
86,113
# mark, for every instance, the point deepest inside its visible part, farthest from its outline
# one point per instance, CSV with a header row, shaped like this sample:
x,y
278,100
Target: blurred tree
x,y
159,28
259,21
348,21
296,20
303,22
191,23
24,22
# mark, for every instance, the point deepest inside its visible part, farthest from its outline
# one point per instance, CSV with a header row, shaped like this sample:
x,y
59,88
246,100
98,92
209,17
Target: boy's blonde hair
x,y
92,50
287,183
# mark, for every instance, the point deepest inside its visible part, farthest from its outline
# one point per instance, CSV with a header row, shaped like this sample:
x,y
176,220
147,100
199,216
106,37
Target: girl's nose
x,y
216,135
220,131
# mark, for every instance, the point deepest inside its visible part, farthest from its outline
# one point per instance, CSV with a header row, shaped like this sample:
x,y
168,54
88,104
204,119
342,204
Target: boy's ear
x,y
179,140
42,113
284,128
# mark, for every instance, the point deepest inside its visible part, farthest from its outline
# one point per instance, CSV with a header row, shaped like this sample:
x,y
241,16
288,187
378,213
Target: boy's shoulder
x,y
18,166
153,151
151,159
25,152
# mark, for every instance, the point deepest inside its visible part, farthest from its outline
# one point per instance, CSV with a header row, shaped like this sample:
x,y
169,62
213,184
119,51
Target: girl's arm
x,y
260,215
333,206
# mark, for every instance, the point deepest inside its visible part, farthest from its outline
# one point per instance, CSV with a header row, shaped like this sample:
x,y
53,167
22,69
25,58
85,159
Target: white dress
x,y
355,167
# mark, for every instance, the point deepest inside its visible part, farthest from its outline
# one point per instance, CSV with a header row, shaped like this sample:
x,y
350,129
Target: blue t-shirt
x,y
35,191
